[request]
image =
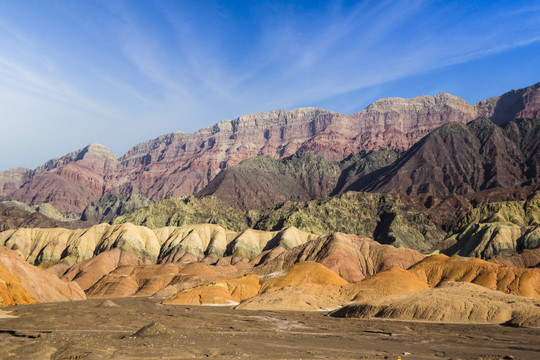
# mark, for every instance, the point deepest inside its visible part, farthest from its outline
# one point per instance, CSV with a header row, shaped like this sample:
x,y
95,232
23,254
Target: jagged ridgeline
x,y
379,216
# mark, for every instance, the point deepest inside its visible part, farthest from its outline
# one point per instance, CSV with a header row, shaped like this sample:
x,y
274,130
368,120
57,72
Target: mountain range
x,y
180,164
413,209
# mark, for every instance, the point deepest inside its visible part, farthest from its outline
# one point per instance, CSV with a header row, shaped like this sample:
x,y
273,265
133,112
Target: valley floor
x,y
117,329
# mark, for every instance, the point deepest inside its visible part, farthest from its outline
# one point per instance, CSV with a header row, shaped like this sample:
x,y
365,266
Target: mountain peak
x,y
418,103
97,149
93,149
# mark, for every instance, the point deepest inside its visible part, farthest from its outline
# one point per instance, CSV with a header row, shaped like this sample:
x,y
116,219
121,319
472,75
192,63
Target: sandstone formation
x,y
88,272
501,228
451,302
48,247
438,269
12,292
515,104
351,257
118,272
306,286
180,164
45,209
12,179
215,242
302,273
390,282
68,183
297,298
225,292
183,164
39,285
524,259
161,280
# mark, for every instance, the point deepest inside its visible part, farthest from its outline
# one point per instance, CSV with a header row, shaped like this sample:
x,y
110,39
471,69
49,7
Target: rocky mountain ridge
x,y
460,159
179,164
264,182
381,217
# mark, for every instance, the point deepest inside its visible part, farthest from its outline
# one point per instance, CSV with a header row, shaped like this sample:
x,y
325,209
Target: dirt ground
x,y
142,328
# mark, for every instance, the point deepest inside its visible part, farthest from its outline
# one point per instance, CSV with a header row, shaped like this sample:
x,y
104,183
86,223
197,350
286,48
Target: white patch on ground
x,y
225,303
5,315
275,274
328,308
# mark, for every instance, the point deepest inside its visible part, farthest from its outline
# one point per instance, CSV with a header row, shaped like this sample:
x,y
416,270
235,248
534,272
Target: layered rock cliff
x,y
68,183
179,164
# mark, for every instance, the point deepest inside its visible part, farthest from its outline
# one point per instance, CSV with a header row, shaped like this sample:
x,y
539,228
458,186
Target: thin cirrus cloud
x,y
119,72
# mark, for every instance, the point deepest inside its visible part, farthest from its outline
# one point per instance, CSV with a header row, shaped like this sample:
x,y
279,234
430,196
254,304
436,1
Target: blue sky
x,y
122,72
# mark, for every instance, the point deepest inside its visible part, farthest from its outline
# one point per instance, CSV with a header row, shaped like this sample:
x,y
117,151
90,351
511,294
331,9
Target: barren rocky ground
x,y
135,328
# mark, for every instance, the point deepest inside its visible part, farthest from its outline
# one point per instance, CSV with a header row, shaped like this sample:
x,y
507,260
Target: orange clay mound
x,y
451,302
390,282
438,269
306,286
88,272
162,279
302,297
39,284
352,257
303,273
11,290
225,292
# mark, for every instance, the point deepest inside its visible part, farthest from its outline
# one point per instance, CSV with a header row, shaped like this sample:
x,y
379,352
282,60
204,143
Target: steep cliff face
x,y
12,179
179,164
515,104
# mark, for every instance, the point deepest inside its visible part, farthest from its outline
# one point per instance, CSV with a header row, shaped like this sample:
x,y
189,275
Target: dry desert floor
x,y
143,328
